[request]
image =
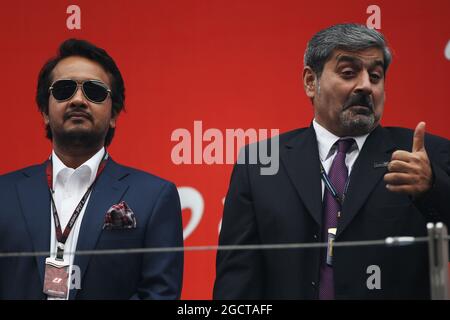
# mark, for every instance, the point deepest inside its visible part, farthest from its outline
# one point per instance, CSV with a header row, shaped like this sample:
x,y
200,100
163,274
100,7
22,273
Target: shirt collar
x,y
326,141
89,167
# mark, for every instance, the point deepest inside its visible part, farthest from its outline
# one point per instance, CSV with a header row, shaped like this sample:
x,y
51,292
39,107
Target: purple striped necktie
x,y
338,176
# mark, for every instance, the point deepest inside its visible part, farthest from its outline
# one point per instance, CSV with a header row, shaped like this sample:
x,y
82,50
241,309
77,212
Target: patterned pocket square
x,y
119,216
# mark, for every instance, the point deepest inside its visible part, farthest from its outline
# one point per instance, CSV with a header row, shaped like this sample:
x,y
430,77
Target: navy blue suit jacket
x,y
25,227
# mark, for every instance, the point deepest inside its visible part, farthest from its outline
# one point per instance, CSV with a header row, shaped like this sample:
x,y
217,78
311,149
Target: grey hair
x,y
348,37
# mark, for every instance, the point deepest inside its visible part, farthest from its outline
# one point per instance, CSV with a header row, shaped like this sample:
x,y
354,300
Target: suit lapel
x,y
34,198
300,157
108,191
364,175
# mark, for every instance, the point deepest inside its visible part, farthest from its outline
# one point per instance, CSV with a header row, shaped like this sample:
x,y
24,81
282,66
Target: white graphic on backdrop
x,y
220,222
191,199
447,50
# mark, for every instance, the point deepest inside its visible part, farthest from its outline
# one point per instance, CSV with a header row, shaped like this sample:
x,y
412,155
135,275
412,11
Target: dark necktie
x,y
338,176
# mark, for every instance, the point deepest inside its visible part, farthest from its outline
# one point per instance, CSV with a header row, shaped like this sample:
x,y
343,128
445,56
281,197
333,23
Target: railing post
x,y
438,258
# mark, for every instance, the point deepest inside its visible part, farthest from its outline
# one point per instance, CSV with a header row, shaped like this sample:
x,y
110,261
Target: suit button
x,y
313,283
315,237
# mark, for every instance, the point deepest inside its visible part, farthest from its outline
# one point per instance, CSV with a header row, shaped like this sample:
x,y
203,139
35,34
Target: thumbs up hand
x,y
410,172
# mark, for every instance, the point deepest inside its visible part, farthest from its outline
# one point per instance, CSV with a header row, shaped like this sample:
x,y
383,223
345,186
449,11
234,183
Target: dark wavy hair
x,y
82,48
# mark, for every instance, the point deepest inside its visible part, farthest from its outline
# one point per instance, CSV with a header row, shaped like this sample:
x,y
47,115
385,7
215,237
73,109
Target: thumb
x,y
419,136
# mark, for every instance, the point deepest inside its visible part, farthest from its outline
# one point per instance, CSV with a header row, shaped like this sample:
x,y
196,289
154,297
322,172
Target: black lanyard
x,y
331,188
62,236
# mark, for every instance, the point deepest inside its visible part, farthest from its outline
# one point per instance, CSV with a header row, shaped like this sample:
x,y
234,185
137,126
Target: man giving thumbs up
x,y
410,172
343,178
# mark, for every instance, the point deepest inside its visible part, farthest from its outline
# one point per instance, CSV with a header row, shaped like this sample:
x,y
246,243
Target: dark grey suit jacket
x,y
287,208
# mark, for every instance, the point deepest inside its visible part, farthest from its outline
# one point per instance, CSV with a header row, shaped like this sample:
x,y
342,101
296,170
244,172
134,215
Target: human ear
x,y
309,82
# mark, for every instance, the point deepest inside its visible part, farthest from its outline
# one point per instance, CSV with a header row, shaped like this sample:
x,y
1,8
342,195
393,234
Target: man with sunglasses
x,y
80,199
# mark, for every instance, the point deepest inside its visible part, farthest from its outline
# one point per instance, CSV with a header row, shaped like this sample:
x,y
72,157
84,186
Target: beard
x,y
356,123
78,138
359,120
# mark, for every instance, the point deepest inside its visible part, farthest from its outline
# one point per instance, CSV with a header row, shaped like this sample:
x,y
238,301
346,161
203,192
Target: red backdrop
x,y
228,63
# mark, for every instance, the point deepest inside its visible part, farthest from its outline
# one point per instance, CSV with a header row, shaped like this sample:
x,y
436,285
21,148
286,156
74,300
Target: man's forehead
x,y
366,56
79,68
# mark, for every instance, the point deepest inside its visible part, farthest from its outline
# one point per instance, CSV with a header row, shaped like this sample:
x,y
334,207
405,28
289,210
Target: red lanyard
x,y
62,236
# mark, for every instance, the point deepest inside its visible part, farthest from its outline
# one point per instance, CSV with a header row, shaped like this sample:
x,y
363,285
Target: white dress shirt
x,y
327,148
70,185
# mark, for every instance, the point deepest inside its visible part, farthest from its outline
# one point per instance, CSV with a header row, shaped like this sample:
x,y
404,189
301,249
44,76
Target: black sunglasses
x,y
94,90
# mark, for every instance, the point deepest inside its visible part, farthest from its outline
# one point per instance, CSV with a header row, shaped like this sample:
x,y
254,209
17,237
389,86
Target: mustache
x,y
79,113
359,99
